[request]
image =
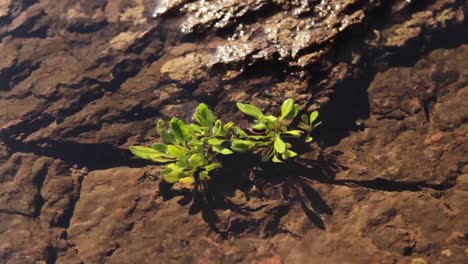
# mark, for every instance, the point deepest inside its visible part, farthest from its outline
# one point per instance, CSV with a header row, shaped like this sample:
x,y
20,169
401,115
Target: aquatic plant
x,y
191,151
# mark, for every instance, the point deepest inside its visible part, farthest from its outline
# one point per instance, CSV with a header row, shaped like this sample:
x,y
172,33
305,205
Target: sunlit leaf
x,y
195,142
160,126
177,151
309,139
204,116
275,159
270,118
180,130
196,128
296,110
279,144
250,110
195,161
287,108
241,133
215,141
159,147
217,128
228,126
173,173
213,166
151,154
242,145
163,132
224,151
259,126
291,153
187,182
294,132
258,137
313,116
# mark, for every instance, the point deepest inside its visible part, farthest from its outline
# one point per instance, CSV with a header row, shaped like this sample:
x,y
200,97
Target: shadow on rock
x,y
247,196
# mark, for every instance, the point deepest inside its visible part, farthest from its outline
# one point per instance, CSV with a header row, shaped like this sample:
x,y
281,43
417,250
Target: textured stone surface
x,y
80,81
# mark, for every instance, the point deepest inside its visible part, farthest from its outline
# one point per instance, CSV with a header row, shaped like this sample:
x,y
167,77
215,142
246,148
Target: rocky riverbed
x,y
81,81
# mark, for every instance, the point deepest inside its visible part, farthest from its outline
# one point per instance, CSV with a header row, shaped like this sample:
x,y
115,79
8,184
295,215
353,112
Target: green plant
x,y
191,150
270,132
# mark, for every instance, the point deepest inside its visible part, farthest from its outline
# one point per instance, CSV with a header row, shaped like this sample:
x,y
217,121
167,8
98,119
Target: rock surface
x,y
81,81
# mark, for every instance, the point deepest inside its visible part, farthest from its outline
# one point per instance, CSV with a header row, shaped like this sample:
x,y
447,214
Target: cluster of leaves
x,y
191,150
270,132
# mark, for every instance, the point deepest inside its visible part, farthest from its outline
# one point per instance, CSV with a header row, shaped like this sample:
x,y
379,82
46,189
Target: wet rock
x,y
218,14
288,37
165,6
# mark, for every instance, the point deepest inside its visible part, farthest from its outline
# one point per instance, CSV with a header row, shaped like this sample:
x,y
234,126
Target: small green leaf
x,y
217,128
195,161
171,178
226,151
241,133
257,137
173,173
250,110
288,154
296,110
271,118
161,128
151,154
313,116
196,128
259,126
287,108
276,160
294,132
221,150
304,127
187,182
309,139
177,151
279,144
242,145
160,147
291,153
195,142
215,141
213,166
204,116
180,130
228,126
